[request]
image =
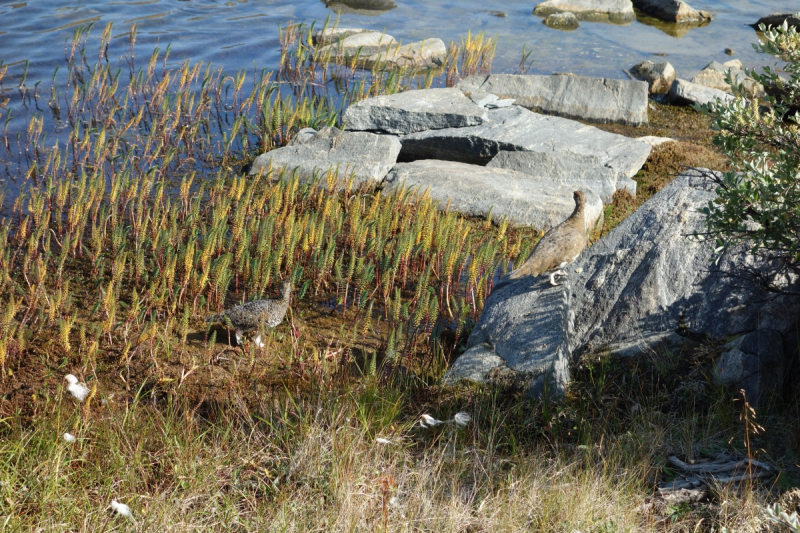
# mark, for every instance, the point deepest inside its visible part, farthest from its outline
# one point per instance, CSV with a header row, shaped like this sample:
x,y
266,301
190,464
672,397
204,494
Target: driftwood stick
x,y
681,484
741,477
716,467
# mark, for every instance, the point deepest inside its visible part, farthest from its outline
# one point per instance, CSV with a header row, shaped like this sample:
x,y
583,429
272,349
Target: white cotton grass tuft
x,y
462,418
381,440
69,437
78,390
428,421
121,508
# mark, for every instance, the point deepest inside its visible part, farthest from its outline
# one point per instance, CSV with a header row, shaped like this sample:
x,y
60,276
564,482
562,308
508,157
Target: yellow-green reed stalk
x,y
7,330
474,55
64,328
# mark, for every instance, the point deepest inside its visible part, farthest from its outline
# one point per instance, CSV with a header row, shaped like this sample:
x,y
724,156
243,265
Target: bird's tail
x,y
519,272
215,319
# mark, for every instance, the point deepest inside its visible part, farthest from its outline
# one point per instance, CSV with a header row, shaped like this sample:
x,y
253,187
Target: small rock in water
x,y
501,14
659,76
360,7
729,51
777,19
363,44
613,11
562,21
673,11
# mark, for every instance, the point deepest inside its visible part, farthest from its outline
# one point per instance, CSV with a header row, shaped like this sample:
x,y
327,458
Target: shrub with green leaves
x,y
758,200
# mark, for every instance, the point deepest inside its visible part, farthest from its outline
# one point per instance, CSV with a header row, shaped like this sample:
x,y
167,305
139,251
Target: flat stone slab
x,y
332,35
475,190
488,100
413,111
429,53
616,11
517,129
593,99
576,172
364,44
685,92
366,155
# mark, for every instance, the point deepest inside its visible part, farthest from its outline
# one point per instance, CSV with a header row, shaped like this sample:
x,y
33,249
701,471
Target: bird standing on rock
x,y
249,317
559,247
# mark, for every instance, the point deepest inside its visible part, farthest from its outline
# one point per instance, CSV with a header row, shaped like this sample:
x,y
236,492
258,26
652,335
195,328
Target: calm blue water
x,y
243,34
237,34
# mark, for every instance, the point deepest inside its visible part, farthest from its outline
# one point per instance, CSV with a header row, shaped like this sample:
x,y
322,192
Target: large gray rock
x,y
366,155
616,11
753,362
648,279
672,10
412,111
649,275
429,53
576,172
659,76
517,129
477,365
593,99
685,92
474,190
522,330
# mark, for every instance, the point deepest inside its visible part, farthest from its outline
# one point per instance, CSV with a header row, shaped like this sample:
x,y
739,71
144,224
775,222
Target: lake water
x,y
241,34
237,34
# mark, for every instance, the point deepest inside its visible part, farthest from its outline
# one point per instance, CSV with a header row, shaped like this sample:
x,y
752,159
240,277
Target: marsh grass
x,y
138,225
131,223
305,457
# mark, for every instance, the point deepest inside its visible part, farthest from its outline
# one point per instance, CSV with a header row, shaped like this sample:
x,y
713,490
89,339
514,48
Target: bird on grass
x,y
248,317
559,247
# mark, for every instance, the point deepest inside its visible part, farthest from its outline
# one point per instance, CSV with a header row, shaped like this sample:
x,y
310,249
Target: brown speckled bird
x,y
249,316
559,247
